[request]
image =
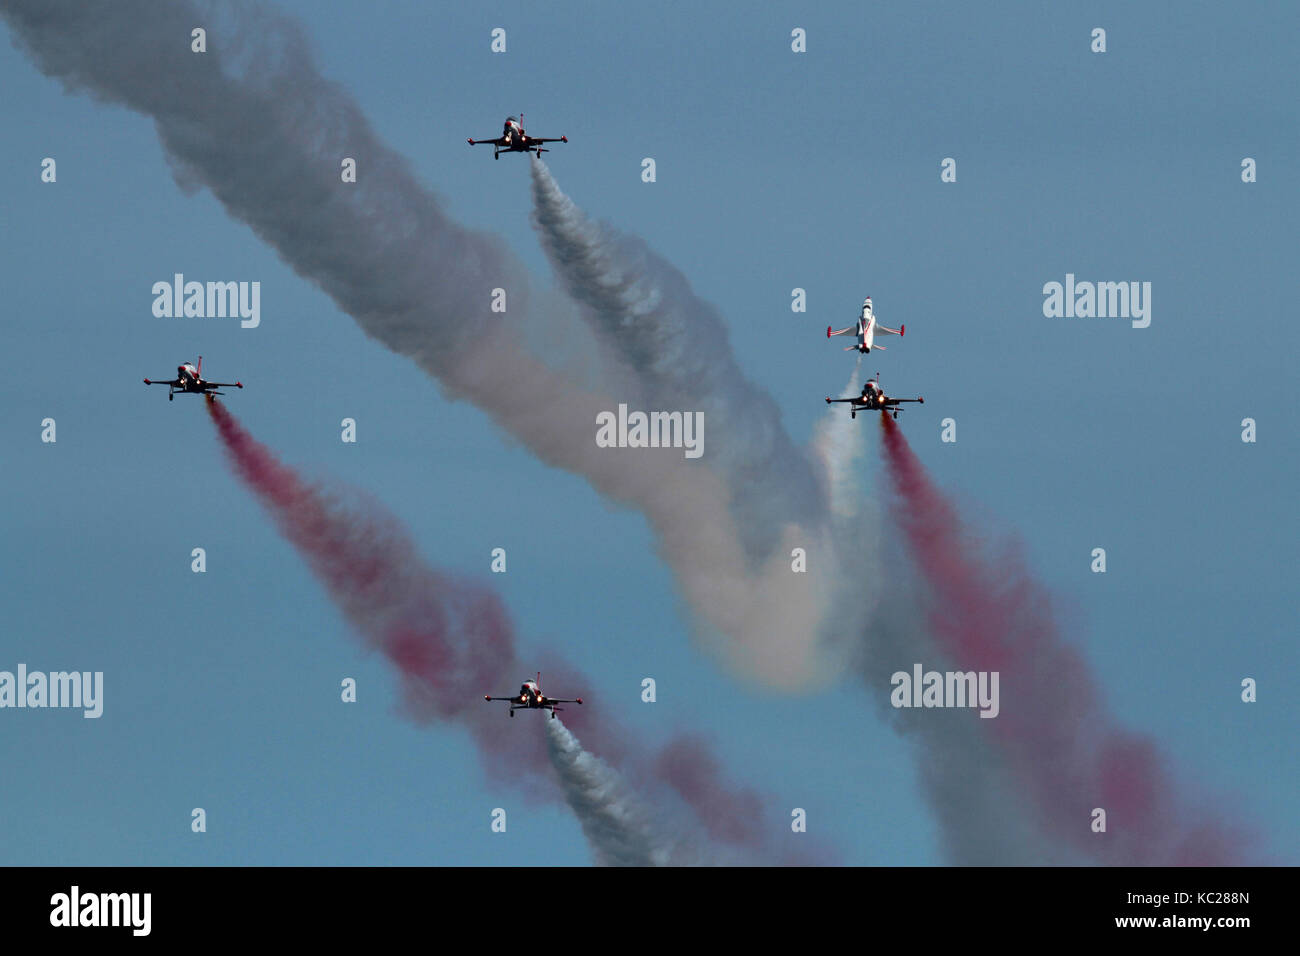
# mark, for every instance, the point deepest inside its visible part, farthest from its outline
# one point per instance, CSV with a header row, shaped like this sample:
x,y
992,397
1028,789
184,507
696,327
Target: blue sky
x,y
775,170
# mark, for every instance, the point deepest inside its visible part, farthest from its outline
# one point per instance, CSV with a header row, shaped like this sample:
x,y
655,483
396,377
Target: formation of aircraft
x,y
513,139
865,329
189,380
530,697
873,399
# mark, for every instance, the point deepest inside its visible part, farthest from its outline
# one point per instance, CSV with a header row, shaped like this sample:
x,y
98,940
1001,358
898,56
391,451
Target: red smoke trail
x,y
1053,727
734,817
451,640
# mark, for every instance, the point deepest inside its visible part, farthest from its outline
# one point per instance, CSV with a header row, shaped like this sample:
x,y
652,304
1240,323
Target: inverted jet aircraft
x,y
865,330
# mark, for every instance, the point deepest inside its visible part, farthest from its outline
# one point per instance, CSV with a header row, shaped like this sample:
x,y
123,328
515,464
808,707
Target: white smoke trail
x,y
838,444
620,830
853,531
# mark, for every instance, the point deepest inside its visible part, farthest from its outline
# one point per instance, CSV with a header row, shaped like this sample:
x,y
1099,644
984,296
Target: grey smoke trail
x,y
619,829
644,311
983,817
254,121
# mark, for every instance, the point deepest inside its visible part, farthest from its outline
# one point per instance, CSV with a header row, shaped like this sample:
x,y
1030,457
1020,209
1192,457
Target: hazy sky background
x,y
775,170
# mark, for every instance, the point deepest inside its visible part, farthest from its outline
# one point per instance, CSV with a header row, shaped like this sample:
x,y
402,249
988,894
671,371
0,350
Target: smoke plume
x,y
643,310
1063,749
620,829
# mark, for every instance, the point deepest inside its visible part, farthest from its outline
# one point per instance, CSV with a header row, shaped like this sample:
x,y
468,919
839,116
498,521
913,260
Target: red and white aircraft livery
x,y
513,139
865,330
189,379
530,697
873,399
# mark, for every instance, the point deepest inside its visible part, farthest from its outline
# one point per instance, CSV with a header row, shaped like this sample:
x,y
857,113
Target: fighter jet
x,y
530,697
189,380
865,329
513,139
873,399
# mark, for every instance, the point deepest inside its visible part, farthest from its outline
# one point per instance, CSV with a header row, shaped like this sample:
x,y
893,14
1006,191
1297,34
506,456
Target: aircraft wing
x,y
898,331
174,383
499,141
851,330
548,139
223,384
564,700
